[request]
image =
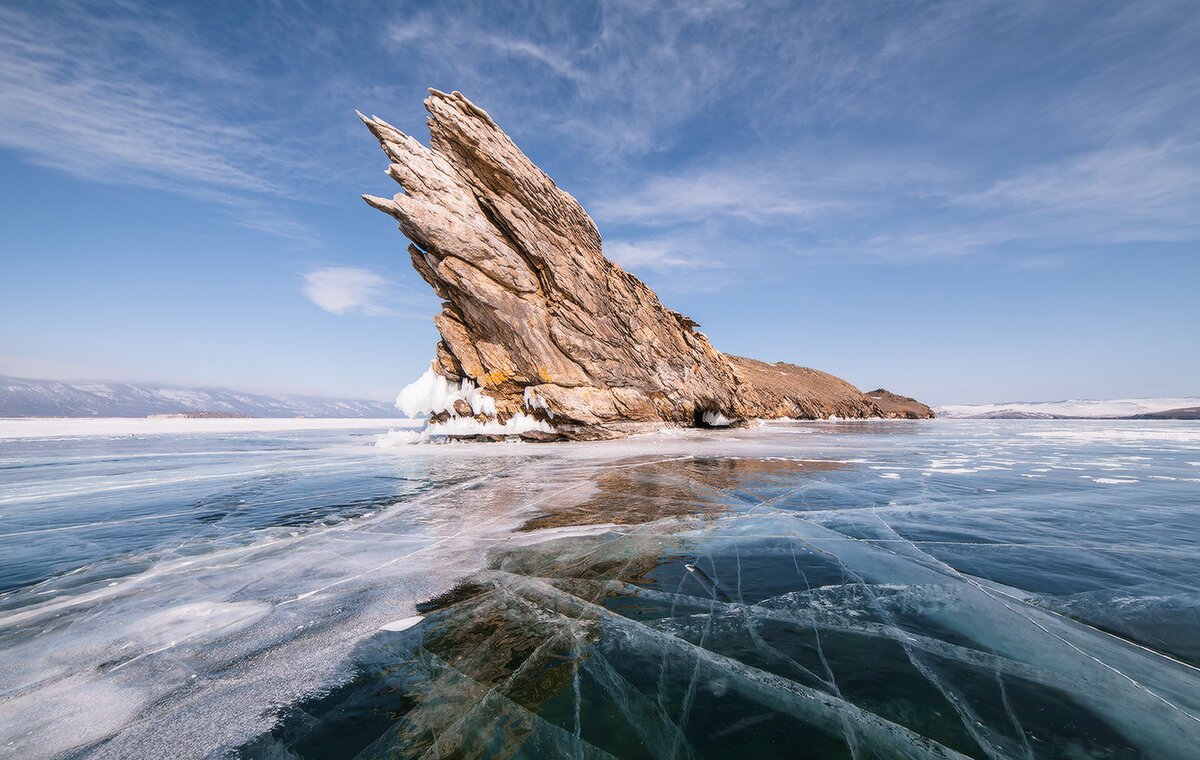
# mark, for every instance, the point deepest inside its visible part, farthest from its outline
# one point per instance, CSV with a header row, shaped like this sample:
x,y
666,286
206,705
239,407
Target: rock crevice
x,y
533,309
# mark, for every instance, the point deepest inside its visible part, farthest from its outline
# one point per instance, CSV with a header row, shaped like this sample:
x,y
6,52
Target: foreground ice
x,y
64,427
866,589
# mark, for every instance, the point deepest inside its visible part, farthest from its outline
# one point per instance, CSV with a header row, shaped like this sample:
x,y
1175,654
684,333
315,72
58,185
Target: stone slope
x,y
801,393
533,313
896,406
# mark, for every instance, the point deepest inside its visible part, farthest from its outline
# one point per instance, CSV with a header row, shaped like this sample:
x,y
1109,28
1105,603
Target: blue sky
x,y
961,201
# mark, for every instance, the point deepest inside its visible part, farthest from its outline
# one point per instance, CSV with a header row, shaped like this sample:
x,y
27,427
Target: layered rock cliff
x,y
540,333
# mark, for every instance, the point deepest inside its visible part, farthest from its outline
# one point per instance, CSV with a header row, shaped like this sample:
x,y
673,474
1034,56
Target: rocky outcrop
x,y
895,406
800,393
536,324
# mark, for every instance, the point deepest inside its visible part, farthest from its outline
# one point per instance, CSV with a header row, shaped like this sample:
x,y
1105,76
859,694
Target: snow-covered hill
x,y
1075,408
21,397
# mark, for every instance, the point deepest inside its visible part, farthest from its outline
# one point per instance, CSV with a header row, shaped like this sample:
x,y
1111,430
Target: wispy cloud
x,y
621,73
340,290
876,208
659,255
1118,194
745,195
124,94
633,78
1115,195
862,129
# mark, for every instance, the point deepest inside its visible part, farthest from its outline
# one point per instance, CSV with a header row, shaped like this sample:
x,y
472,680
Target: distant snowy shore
x,y
59,427
24,397
1074,408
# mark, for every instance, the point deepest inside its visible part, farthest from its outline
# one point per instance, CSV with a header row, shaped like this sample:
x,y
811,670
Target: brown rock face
x,y
785,390
536,316
899,407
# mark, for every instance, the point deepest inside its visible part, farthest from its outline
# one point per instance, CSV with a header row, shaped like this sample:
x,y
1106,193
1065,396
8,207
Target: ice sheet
x,y
40,427
690,593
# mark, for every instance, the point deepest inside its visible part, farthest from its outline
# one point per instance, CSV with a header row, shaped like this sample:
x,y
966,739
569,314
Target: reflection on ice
x,y
648,488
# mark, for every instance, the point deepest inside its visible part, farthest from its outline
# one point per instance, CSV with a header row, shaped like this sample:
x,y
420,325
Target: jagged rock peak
x,y
534,316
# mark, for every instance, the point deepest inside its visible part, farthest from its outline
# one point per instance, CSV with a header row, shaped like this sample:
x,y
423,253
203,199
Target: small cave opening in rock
x,y
703,417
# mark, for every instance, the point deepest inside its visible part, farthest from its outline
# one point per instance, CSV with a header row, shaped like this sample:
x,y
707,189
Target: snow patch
x,y
403,624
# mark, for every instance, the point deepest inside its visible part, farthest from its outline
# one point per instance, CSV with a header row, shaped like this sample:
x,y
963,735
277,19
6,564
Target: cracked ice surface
x,y
743,593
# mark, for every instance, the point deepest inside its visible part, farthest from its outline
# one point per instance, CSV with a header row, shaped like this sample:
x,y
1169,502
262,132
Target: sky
x,y
966,201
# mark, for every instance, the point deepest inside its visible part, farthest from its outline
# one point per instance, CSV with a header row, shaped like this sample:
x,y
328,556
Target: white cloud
x,y
630,77
129,96
344,289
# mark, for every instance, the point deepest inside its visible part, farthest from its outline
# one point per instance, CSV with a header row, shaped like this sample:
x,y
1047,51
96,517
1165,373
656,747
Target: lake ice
x,y
849,589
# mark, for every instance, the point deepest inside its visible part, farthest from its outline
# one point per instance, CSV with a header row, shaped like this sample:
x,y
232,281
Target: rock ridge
x,y
536,319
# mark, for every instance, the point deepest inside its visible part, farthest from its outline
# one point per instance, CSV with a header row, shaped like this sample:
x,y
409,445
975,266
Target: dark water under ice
x,y
938,589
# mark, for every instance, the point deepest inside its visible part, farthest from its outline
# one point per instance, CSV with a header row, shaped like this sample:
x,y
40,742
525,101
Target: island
x,y
543,337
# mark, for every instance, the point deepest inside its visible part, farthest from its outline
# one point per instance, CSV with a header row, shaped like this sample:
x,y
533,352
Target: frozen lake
x,y
852,589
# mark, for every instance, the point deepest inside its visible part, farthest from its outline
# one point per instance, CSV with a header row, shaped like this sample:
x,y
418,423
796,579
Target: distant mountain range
x,y
1186,408
21,397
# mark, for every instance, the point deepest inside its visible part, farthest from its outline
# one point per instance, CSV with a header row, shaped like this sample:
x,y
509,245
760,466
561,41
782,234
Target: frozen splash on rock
x,y
534,400
431,393
464,427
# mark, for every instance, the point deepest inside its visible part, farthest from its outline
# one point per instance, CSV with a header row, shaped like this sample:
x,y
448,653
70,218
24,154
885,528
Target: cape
x,y
541,335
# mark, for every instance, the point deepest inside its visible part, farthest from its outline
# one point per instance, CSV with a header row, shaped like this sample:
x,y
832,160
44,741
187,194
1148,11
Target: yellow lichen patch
x,y
495,378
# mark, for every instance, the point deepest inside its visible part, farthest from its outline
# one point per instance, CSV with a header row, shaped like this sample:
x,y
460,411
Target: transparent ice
x,y
851,589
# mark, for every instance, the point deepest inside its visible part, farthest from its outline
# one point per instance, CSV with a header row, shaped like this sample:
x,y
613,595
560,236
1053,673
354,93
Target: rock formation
x,y
786,390
540,333
894,405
